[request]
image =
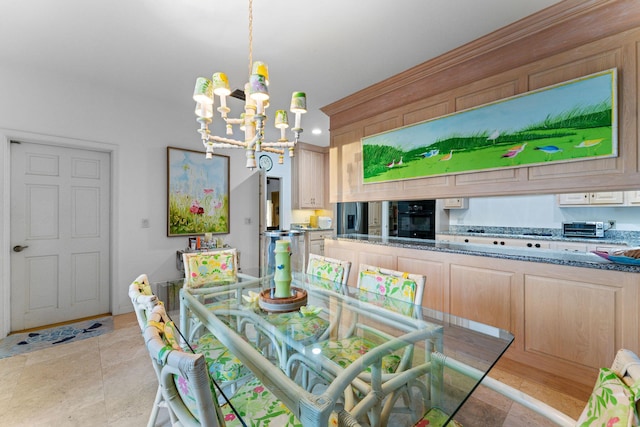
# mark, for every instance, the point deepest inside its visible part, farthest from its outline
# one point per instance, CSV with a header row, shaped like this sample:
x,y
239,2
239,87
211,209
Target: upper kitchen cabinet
x,y
309,177
611,198
375,218
456,203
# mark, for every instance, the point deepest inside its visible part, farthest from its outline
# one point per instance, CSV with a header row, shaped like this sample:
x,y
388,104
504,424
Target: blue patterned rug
x,y
36,340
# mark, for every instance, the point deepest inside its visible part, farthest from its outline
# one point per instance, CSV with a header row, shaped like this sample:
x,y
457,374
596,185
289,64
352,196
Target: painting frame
x,y
574,120
197,193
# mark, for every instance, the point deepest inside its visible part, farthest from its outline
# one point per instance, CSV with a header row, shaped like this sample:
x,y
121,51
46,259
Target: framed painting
x,y
571,121
197,193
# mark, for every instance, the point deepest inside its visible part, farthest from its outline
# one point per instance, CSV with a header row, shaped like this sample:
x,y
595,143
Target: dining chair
x,y
327,273
615,399
205,271
226,368
393,290
191,393
143,301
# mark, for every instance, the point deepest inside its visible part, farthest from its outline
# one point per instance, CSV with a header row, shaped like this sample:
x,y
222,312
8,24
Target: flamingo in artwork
x,y
392,164
447,156
400,162
514,151
430,153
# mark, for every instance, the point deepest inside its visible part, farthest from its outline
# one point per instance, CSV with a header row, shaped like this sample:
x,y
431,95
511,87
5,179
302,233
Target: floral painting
x,y
198,193
571,121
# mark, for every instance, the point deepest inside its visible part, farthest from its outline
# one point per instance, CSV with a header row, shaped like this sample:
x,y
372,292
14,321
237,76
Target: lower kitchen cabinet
x,y
315,241
567,321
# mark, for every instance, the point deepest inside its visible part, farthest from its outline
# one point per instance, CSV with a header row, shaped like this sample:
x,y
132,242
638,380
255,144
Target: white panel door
x,y
60,204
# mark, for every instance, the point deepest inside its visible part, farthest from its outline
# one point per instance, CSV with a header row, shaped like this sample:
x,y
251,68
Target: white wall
x,y
42,106
538,212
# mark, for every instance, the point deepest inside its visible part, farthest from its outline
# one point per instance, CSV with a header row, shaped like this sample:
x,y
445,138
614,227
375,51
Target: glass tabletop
x,y
330,348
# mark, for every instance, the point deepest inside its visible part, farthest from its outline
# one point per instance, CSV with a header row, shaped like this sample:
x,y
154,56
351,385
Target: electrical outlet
x,y
247,220
144,223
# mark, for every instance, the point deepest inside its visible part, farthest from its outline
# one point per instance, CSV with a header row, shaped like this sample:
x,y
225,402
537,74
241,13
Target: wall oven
x,y
417,219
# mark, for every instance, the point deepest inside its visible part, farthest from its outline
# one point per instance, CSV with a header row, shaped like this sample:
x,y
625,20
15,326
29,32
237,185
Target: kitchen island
x,y
569,312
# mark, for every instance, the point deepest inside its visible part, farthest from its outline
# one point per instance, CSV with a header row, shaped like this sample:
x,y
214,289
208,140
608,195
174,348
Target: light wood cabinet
x,y
568,321
309,179
633,198
315,241
375,214
595,198
456,203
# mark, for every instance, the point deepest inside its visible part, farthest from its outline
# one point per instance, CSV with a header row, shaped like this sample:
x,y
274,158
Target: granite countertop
x,y
574,259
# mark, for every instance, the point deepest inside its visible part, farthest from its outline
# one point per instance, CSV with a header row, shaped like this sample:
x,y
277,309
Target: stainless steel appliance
x,y
417,219
585,228
352,218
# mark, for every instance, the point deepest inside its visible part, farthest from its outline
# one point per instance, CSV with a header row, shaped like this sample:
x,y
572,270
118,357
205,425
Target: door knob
x,y
19,248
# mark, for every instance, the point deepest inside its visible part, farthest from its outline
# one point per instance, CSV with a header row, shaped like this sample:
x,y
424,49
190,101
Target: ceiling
x,y
328,49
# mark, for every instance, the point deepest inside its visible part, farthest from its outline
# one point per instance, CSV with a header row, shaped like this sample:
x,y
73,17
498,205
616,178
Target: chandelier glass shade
x,y
252,121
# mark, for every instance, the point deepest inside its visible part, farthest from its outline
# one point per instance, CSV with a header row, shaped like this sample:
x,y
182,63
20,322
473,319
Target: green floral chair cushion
x,y
298,327
254,403
612,402
325,270
399,292
210,268
223,365
345,351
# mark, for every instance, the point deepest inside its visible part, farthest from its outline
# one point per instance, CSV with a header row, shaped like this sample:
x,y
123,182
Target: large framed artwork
x,y
197,193
571,121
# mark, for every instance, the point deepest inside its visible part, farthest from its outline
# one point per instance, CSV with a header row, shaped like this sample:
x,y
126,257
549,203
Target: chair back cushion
x,y
612,402
325,269
401,288
210,268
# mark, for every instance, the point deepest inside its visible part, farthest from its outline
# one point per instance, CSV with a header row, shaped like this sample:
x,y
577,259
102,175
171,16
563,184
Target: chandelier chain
x,y
250,35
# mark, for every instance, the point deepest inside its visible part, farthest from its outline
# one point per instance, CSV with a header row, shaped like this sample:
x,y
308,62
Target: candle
x,y
282,276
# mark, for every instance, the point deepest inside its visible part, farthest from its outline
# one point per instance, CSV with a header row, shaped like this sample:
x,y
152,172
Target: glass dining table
x,y
336,350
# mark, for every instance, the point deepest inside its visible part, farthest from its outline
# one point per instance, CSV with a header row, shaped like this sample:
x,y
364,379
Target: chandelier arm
x,y
229,141
279,144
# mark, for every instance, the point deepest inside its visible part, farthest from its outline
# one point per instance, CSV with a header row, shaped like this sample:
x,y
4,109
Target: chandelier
x,y
253,120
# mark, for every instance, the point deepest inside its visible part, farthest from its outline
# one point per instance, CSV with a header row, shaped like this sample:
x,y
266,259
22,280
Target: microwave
x,y
584,228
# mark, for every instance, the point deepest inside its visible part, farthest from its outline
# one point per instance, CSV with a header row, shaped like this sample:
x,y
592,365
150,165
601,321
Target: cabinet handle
x,y
495,242
537,245
529,245
466,240
502,243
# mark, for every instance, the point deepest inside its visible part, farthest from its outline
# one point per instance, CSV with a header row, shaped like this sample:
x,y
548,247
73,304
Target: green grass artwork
x,y
198,193
574,120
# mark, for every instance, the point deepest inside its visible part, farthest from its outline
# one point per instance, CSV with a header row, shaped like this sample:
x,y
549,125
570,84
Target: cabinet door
x,y
606,198
375,214
633,197
457,203
310,179
573,199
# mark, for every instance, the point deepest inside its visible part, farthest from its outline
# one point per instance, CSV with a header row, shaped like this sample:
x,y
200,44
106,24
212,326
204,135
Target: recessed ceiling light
x,y
316,131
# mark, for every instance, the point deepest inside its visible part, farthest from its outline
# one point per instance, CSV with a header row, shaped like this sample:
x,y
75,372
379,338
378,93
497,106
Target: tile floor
x,y
108,381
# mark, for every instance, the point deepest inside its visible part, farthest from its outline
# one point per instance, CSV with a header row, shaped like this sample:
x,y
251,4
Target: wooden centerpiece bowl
x,y
283,305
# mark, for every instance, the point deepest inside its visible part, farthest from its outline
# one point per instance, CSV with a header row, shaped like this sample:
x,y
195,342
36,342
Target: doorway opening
x,y
273,203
